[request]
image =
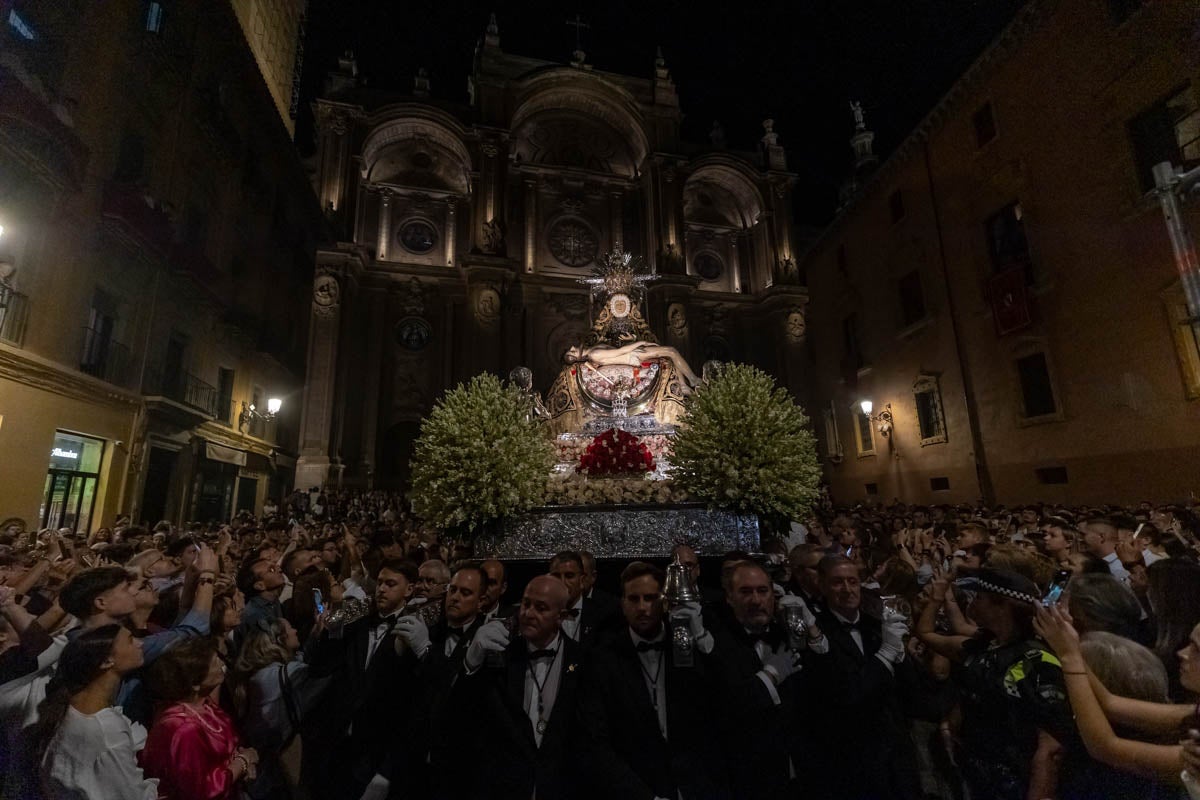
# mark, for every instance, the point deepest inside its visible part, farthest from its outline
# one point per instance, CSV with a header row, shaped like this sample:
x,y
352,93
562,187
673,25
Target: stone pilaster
x,y
377,311
316,419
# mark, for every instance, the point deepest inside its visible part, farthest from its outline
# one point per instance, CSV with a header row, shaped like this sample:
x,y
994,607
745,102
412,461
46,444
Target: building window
x,y
939,484
154,17
1168,131
1186,335
18,24
985,125
872,489
930,416
866,436
573,242
896,205
1008,246
71,481
225,395
417,236
708,265
1051,475
1121,10
103,356
912,299
833,439
851,348
1037,390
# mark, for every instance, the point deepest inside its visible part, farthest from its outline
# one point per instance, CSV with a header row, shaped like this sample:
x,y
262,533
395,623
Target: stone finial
x,y
770,138
717,135
421,83
493,28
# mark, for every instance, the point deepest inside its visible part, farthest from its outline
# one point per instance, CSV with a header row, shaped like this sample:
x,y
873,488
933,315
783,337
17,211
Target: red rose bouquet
x,y
616,452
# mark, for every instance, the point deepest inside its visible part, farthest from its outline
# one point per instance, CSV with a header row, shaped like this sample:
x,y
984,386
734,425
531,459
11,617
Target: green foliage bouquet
x,y
745,446
479,457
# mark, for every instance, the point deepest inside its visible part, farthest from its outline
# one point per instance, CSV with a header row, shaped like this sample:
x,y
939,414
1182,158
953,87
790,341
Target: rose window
x,y
573,243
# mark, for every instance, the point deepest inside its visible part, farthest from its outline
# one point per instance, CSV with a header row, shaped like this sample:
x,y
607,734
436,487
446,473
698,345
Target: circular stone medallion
x,y
573,243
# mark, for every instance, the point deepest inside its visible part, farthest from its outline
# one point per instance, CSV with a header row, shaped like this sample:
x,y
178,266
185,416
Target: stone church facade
x,y
464,230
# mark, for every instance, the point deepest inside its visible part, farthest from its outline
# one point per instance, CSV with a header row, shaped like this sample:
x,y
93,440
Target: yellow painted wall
x,y
30,418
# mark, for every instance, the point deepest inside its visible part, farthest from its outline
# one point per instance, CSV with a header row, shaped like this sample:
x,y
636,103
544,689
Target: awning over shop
x,y
229,455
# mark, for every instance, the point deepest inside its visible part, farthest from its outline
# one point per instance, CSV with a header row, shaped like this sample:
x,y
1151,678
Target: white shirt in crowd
x,y
95,755
570,625
545,672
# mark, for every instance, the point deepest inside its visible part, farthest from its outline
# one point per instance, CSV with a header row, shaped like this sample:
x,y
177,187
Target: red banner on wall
x,y
1010,301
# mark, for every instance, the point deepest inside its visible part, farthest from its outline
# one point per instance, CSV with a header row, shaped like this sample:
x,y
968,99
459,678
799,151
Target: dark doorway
x,y
214,500
394,454
159,470
247,494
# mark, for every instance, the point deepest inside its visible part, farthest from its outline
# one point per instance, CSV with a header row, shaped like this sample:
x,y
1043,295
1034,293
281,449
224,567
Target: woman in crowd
x,y
193,747
274,694
1097,709
1173,590
1102,603
89,747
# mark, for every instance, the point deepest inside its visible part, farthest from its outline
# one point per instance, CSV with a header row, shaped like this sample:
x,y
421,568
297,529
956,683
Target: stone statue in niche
x,y
487,306
326,294
493,238
796,325
677,320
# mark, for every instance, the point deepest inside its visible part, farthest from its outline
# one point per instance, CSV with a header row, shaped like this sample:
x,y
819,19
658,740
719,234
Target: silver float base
x,y
619,532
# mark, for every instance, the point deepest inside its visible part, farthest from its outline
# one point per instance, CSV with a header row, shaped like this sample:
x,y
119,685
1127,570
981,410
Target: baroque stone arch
x,y
721,194
417,149
584,108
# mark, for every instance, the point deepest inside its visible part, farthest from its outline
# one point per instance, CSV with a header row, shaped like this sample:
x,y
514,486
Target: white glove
x,y
690,614
894,631
490,638
781,664
377,789
412,631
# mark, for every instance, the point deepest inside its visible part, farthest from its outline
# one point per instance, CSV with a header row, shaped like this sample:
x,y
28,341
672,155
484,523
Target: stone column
x,y
385,225
735,258
530,188
377,310
617,218
451,232
312,468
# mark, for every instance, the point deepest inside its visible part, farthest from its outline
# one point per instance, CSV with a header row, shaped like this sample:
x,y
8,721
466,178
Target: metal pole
x,y
1169,184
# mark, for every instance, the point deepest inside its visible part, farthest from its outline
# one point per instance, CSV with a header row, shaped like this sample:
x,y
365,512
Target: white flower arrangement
x,y
479,457
745,446
579,490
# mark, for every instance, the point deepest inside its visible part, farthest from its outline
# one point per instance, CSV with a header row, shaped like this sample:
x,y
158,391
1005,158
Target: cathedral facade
x,y
464,231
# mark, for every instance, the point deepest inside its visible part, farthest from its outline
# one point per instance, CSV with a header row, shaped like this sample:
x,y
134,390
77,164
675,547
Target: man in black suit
x,y
753,668
360,741
585,619
524,709
450,639
803,580
590,592
647,722
858,731
492,604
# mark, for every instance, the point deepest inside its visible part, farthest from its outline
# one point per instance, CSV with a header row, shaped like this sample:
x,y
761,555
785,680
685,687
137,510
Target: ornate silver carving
x,y
620,533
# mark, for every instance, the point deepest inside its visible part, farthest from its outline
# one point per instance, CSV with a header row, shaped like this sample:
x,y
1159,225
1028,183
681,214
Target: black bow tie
x,y
377,620
643,647
536,654
850,626
760,636
573,613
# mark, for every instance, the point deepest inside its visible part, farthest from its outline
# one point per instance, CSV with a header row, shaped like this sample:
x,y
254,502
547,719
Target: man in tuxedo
x,y
449,640
859,734
360,743
647,722
803,579
753,668
584,619
611,604
523,694
492,604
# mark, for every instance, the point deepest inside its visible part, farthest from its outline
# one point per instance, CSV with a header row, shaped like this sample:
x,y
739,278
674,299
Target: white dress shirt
x,y
1117,568
547,672
570,626
654,674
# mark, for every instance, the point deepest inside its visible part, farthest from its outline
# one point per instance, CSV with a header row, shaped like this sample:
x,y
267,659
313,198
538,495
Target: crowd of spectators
x,y
335,649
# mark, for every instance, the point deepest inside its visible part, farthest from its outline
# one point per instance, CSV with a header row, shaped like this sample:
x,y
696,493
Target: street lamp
x,y
884,418
250,412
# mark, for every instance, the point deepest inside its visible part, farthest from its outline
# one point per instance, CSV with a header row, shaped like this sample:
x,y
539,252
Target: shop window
x,y
930,417
72,481
1168,131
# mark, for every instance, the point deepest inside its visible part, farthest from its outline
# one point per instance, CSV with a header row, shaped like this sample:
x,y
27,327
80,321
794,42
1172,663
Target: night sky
x,y
798,61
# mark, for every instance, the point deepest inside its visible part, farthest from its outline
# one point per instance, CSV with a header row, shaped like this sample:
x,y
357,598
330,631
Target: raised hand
x,y
490,638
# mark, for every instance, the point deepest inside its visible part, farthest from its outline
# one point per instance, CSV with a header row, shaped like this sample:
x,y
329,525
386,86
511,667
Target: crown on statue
x,y
619,272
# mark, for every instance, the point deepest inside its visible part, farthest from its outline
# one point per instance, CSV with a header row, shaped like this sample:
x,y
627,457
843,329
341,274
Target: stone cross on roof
x,y
578,24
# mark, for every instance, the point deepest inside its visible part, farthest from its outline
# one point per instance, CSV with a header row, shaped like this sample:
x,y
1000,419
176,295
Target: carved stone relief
x,y
327,295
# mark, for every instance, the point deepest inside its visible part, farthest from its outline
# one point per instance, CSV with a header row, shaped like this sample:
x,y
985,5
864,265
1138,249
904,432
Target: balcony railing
x,y
14,316
128,208
182,387
104,357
